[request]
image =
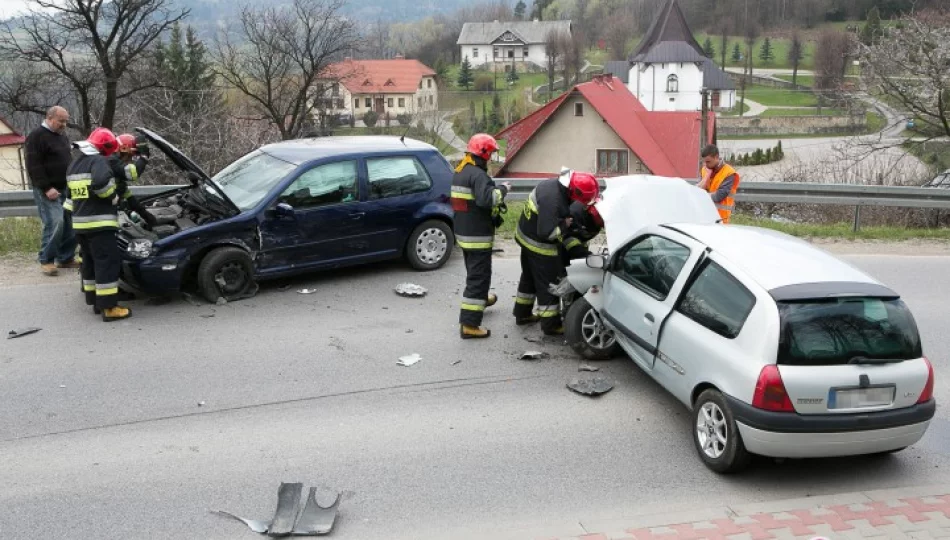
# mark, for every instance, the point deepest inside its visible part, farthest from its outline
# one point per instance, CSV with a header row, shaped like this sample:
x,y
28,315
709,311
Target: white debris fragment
x,y
307,291
409,359
411,290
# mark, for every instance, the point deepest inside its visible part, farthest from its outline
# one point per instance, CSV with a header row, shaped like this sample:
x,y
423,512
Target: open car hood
x,y
185,163
636,201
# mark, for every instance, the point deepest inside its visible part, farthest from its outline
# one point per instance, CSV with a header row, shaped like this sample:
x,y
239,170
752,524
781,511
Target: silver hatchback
x,y
777,347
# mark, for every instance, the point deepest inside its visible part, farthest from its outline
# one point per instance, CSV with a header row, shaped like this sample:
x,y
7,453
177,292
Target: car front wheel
x,y
430,245
227,273
586,333
715,434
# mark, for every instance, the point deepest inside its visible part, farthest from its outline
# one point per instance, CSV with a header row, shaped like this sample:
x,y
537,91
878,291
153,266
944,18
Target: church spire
x,y
670,25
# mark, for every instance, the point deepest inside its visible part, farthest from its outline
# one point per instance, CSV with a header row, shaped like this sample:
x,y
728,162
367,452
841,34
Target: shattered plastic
x,y
20,332
314,520
591,386
410,290
409,360
533,355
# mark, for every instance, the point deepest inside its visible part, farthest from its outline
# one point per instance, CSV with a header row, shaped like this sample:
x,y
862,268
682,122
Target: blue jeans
x,y
59,240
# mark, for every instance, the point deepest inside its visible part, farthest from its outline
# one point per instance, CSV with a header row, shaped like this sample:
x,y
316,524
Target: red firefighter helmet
x,y
104,141
482,145
127,143
584,188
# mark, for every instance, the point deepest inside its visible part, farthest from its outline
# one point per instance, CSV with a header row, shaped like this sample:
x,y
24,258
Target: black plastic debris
x,y
313,520
587,367
410,290
534,355
20,332
591,386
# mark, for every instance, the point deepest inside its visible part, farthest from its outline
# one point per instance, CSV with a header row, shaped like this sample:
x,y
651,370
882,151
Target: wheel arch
x,y
698,390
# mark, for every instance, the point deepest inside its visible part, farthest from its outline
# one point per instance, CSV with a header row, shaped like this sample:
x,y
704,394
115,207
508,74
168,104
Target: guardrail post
x,y
857,218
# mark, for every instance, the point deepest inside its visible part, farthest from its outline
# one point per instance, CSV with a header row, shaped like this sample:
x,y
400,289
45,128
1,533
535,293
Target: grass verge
x,y
774,111
844,230
20,235
780,97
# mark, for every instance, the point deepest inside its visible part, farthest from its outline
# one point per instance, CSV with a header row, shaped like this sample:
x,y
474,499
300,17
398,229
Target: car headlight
x,y
139,248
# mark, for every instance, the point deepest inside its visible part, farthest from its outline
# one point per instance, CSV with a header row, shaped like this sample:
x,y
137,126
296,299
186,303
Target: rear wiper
x,y
864,360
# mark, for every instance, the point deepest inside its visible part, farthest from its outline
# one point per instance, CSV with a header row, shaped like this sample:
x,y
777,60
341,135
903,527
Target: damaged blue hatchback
x,y
289,208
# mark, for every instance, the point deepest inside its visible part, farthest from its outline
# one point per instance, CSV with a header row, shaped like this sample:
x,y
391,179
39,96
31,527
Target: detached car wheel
x,y
586,333
430,245
225,272
715,434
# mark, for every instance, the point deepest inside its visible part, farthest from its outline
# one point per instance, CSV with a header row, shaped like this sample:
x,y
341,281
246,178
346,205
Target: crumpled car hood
x,y
633,202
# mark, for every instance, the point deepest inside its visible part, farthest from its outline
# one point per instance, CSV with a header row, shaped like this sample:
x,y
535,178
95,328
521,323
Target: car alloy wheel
x,y
431,245
712,430
595,333
231,278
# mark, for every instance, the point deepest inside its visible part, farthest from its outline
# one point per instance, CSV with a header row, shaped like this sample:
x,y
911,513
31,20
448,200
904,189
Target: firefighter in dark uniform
x,y
586,224
478,204
92,194
546,235
128,164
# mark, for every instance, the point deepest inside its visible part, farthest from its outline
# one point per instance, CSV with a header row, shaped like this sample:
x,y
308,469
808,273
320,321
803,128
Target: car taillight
x,y
770,393
928,392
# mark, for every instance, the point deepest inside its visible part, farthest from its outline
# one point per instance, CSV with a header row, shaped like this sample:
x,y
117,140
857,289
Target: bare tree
x,y
572,55
552,50
911,66
280,54
92,44
618,31
796,53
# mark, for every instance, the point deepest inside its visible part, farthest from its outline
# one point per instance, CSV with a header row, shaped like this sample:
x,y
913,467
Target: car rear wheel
x,y
226,273
586,333
430,245
715,434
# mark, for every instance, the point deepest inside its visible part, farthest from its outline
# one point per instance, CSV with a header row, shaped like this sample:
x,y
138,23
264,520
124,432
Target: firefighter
x,y
585,226
545,233
478,204
128,164
92,193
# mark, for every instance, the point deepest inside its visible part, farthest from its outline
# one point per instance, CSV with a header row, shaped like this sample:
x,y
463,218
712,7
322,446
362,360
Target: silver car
x,y
777,347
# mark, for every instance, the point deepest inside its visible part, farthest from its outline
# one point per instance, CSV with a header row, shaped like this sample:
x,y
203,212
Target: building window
x,y
428,83
672,84
336,90
511,53
430,100
612,162
339,104
475,52
356,103
369,103
578,109
496,52
389,103
525,52
419,102
402,103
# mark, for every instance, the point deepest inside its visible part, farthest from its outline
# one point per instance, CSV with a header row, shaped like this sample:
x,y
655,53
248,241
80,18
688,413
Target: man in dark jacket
x,y
47,158
477,203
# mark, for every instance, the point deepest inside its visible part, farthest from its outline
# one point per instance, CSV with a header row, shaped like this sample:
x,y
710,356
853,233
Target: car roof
x,y
299,151
776,260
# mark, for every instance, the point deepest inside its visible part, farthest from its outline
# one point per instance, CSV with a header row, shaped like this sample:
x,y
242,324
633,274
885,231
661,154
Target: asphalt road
x,y
101,434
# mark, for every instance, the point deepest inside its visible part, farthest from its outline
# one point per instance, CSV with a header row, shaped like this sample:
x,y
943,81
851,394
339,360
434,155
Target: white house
x,y
507,43
669,69
397,86
12,164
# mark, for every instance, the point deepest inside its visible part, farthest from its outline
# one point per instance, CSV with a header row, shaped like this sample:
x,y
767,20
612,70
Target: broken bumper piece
x,y
314,520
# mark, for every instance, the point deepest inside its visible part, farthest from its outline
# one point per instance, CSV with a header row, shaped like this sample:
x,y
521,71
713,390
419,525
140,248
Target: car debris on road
x,y
533,355
410,290
591,386
20,332
409,359
587,367
313,520
306,291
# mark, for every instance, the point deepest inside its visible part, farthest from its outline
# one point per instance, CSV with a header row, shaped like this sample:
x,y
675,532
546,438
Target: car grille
x,y
122,241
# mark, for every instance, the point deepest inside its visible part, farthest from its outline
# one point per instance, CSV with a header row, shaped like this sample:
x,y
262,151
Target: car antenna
x,y
402,138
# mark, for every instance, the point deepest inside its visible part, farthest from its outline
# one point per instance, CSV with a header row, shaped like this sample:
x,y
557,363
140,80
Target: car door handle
x,y
649,317
357,215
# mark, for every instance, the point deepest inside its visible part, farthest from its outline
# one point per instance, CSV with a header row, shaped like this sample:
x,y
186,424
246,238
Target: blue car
x,y
289,208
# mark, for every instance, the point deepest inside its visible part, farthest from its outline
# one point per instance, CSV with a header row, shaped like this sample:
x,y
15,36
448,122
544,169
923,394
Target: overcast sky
x,y
11,7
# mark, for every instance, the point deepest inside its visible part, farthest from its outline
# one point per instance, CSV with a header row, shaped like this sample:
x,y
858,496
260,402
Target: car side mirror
x,y
194,178
284,210
597,261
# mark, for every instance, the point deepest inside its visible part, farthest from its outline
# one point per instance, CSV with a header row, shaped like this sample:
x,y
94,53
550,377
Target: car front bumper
x,y
793,435
154,275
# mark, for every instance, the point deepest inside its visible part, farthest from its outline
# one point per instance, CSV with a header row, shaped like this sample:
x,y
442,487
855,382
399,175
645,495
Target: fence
x,y
20,203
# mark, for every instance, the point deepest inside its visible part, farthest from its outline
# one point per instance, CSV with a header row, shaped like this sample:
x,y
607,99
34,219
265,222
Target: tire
x,y
712,414
430,245
225,272
586,334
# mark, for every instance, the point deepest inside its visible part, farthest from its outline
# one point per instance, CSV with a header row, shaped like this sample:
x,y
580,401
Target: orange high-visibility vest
x,y
726,205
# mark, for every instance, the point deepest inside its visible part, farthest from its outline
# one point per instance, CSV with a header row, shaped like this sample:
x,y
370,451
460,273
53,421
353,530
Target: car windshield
x,y
835,331
249,179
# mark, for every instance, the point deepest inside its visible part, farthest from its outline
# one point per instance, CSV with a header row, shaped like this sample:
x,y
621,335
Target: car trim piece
x,y
829,423
830,289
631,335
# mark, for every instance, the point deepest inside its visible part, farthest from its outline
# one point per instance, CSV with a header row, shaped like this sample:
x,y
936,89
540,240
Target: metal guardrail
x,y
20,203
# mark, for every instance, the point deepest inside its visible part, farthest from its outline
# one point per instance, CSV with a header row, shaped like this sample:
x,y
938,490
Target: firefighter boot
x,y
530,319
473,332
559,331
116,313
492,300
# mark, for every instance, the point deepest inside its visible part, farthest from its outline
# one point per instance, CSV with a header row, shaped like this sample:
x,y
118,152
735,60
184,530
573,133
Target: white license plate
x,y
862,398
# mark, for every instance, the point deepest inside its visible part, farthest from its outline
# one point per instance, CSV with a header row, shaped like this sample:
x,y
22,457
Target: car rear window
x,y
835,331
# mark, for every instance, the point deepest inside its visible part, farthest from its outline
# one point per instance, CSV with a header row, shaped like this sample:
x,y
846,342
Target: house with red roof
x,y
396,86
12,164
602,128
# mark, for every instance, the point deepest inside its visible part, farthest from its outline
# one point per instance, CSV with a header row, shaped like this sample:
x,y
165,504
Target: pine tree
x,y
872,28
736,53
520,8
465,74
767,54
709,49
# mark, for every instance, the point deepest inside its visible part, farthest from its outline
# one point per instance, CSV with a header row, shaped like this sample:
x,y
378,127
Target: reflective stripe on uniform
x,y
497,197
555,234
107,190
78,185
106,289
132,172
68,205
549,250
549,311
93,222
572,243
462,192
88,285
473,304
727,207
475,242
525,299
127,195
